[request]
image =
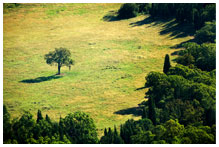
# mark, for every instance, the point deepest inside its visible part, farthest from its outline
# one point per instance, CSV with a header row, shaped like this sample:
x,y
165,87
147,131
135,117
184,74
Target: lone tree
x,y
166,64
60,56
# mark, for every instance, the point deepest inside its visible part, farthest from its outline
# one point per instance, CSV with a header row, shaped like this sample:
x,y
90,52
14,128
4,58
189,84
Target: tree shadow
x,y
169,26
41,79
136,111
177,30
140,88
148,20
111,16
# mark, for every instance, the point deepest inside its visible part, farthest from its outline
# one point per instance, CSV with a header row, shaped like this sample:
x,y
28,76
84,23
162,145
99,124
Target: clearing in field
x,y
112,58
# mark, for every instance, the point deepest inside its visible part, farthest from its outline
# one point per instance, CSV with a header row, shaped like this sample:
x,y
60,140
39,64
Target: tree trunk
x,y
59,68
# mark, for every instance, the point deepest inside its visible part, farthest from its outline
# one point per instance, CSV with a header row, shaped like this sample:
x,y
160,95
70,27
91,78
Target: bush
x,y
128,10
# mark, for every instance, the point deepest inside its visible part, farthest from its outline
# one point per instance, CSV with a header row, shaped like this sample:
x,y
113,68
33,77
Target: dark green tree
x,y
80,128
151,111
206,33
23,128
39,116
60,56
166,64
48,119
61,128
144,113
186,59
128,10
116,137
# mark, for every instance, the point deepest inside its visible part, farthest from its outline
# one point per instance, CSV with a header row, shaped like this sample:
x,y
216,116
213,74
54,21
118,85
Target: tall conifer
x,y
166,64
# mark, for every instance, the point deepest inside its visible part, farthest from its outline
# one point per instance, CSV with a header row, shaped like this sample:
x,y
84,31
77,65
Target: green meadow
x,y
112,58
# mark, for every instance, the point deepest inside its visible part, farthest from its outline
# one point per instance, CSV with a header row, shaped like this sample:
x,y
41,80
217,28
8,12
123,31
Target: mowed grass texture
x,y
112,59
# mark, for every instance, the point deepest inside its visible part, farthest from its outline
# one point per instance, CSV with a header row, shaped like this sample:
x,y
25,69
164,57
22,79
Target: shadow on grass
x,y
140,88
170,26
136,111
41,79
111,16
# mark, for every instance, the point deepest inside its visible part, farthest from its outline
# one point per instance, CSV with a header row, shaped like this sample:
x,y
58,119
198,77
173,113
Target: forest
x,y
179,105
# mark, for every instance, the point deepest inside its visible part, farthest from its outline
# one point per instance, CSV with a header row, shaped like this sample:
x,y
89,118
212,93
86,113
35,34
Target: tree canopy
x,y
61,57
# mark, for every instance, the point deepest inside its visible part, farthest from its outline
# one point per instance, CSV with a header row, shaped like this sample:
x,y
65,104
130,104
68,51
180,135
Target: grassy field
x,y
112,60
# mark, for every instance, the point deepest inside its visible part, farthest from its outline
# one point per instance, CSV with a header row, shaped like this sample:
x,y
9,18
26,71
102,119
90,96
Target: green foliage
x,y
197,135
111,137
74,128
174,131
61,56
203,56
132,127
186,59
166,64
144,113
144,7
184,94
207,33
23,128
151,111
194,75
48,119
128,10
142,137
80,128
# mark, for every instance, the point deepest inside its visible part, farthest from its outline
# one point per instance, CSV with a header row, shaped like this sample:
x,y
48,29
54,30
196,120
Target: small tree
x,y
61,56
166,64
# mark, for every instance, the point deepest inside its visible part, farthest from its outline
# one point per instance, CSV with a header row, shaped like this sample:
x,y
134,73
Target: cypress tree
x,y
115,131
48,119
105,132
117,139
39,116
110,135
152,112
166,64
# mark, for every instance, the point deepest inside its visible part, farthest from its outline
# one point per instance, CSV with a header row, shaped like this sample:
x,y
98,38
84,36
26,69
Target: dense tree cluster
x,y
74,128
196,14
202,56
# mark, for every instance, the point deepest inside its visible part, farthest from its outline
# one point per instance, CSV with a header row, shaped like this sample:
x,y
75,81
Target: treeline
x,y
194,13
75,128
